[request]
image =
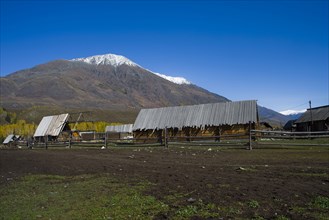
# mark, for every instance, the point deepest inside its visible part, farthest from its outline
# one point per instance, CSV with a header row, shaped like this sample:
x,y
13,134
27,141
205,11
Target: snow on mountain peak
x,y
117,60
177,80
292,112
107,59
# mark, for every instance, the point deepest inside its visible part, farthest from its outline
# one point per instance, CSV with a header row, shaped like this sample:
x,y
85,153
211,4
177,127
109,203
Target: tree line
x,y
10,124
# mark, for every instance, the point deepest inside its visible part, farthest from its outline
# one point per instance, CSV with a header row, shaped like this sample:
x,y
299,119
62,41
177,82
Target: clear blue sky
x,y
273,51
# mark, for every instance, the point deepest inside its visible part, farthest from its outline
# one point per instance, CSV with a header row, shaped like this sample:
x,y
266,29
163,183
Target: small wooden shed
x,y
11,140
314,119
50,127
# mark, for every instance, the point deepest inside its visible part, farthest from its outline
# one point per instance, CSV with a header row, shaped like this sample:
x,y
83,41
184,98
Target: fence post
x,y
166,137
105,140
250,144
46,139
160,137
70,140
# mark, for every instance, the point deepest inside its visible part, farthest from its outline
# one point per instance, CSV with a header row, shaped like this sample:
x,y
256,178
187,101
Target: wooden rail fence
x,y
254,138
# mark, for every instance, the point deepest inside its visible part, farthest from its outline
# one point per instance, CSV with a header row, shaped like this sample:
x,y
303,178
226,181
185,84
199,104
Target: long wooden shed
x,y
211,119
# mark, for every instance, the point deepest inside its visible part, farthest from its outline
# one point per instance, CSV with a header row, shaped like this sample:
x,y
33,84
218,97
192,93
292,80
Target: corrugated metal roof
x,y
318,114
43,126
225,113
10,138
120,128
51,125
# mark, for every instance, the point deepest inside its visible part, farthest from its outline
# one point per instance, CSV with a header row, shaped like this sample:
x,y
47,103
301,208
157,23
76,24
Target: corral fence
x,y
249,140
286,139
256,139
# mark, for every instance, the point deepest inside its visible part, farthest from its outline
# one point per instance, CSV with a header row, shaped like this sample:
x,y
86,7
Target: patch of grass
x,y
176,198
257,217
281,217
318,208
231,210
78,197
186,212
253,204
209,210
198,208
321,202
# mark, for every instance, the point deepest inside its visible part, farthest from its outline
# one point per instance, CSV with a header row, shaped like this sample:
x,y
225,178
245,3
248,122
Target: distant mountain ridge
x,y
104,82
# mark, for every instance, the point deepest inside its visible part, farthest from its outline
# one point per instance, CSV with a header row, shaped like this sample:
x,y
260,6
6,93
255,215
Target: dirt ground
x,y
278,179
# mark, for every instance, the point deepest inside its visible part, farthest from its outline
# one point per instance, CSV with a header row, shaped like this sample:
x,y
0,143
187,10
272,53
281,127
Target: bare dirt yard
x,y
197,183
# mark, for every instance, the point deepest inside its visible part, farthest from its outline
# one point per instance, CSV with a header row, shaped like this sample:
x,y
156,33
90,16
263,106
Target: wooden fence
x,y
254,138
284,138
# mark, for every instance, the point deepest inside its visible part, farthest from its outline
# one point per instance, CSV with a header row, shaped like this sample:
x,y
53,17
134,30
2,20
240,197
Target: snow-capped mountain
x,y
293,112
177,80
106,59
111,85
102,82
118,60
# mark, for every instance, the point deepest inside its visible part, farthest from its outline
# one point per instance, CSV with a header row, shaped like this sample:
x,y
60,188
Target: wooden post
x,y
250,145
160,137
189,134
70,140
105,140
28,143
46,140
166,137
217,134
311,129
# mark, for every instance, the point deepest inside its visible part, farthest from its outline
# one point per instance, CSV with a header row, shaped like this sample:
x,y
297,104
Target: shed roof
x,y
318,114
51,125
213,114
120,128
10,138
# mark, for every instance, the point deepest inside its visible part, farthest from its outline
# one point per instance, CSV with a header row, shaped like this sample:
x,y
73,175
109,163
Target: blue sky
x,y
273,51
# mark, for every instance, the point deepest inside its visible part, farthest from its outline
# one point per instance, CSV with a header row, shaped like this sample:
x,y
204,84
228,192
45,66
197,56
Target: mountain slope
x,y
113,87
99,85
273,117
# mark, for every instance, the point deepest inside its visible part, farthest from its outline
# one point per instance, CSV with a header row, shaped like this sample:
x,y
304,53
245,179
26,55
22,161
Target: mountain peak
x,y
292,112
118,60
106,59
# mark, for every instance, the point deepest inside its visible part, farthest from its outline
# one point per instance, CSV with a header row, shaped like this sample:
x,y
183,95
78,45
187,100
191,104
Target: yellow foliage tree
x,y
27,130
19,128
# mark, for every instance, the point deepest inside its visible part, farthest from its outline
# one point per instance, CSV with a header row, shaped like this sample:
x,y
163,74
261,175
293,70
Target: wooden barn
x,y
314,119
51,128
206,120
